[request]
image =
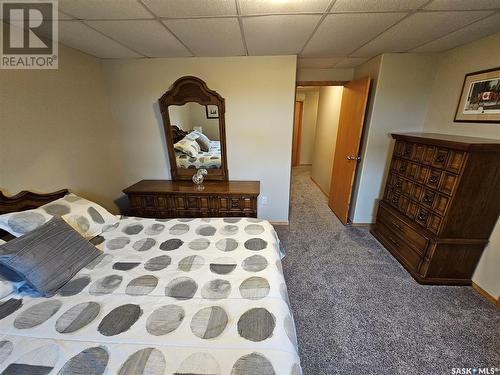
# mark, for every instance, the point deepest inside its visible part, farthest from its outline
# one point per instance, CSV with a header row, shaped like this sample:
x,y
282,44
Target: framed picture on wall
x,y
212,111
480,99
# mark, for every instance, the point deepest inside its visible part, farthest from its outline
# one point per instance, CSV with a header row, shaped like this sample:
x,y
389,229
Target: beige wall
x,y
310,113
56,131
454,64
399,104
330,98
259,94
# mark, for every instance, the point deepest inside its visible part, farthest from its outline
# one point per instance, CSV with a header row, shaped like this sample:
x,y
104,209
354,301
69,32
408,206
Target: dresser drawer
x,y
433,178
399,247
397,225
440,158
448,183
456,161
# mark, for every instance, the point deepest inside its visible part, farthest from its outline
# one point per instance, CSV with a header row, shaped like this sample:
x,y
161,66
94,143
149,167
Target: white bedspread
x,y
200,296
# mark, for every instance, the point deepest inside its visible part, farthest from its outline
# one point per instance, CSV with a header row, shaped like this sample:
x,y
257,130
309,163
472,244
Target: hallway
x,y
357,311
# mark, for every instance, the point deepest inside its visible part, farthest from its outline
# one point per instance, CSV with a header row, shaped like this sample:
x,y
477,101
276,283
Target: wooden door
x,y
297,133
345,162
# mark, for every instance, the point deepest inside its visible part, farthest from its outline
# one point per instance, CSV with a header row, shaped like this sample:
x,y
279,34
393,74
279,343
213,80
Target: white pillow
x,y
188,146
86,217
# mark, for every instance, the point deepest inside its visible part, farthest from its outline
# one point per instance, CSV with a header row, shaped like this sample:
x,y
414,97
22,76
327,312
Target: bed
x,y
179,296
209,160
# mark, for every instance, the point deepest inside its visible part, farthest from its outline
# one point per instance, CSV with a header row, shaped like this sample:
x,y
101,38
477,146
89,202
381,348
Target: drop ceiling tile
x,y
463,4
209,36
477,30
340,34
148,37
318,63
418,29
351,62
79,36
191,8
278,35
283,7
104,9
376,6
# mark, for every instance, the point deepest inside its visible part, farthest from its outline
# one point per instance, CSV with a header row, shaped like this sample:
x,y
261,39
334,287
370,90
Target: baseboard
x,y
363,225
319,187
279,223
485,294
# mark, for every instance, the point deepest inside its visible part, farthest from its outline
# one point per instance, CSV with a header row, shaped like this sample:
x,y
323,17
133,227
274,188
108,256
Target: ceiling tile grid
x,y
323,33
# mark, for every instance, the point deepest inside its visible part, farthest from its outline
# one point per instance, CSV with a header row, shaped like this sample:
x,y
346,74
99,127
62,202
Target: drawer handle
x,y
394,241
421,216
402,169
433,179
427,199
441,158
397,226
395,199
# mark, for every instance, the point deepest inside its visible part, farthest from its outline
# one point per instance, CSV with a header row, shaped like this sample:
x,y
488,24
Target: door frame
x,y
297,133
362,140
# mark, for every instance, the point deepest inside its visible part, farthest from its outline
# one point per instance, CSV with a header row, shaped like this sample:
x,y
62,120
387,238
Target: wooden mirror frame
x,y
192,89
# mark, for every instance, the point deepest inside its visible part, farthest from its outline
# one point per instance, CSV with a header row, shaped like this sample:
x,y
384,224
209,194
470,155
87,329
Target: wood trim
x,y
361,225
321,83
297,132
319,187
485,294
280,223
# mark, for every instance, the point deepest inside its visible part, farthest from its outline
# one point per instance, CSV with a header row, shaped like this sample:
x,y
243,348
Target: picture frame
x,y
480,98
212,111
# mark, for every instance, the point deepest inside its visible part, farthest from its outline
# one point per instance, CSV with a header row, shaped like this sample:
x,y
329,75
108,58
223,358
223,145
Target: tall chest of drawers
x,y
441,202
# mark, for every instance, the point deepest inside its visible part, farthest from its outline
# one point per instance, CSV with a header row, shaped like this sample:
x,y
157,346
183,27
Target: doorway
x,y
328,128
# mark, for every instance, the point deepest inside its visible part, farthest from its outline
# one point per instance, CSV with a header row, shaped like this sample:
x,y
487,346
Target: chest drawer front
x,y
456,161
399,247
403,230
448,183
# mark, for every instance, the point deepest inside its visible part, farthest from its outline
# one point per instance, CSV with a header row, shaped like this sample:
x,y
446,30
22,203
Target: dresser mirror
x,y
194,124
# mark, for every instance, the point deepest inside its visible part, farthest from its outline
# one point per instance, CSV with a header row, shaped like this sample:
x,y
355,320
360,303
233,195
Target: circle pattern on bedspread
x,y
57,209
209,322
165,320
296,369
10,306
226,244
254,288
231,220
171,244
133,229
256,324
91,361
254,229
290,329
255,263
24,222
5,350
206,230
74,286
191,263
119,320
254,220
178,229
181,288
77,317
144,244
97,240
229,230
199,244
199,364
216,289
37,314
158,263
79,222
155,229
253,364
100,261
117,243
142,285
148,361
105,285
39,361
95,215
223,266
127,264
255,244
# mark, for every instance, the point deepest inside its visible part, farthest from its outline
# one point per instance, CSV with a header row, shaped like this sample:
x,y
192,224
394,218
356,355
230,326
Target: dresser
x,y
170,199
441,202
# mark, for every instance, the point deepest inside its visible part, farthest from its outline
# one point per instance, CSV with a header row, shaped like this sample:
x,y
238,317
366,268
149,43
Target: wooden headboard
x,y
26,200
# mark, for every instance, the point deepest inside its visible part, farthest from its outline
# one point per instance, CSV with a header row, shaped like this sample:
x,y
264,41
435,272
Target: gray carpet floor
x,y
357,311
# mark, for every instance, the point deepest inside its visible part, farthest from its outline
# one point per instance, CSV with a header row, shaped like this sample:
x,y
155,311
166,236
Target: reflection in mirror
x,y
196,135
